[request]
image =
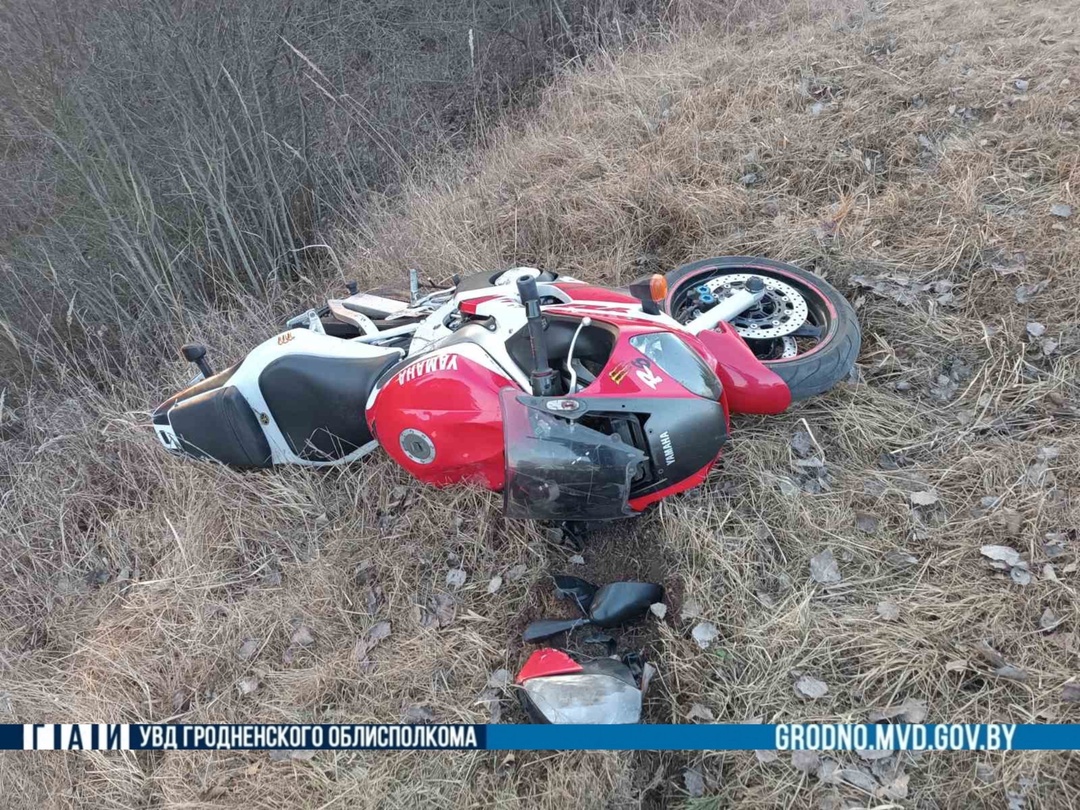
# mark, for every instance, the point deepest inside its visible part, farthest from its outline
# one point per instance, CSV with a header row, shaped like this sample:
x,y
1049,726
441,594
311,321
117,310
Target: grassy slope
x,y
132,581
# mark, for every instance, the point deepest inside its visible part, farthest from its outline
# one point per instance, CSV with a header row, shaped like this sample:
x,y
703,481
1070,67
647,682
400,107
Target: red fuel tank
x,y
439,417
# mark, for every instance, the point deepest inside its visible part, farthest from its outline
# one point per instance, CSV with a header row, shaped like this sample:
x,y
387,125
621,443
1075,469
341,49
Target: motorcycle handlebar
x,y
543,377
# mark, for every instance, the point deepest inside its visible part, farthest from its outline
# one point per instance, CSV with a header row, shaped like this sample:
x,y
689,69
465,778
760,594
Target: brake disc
x,y
780,311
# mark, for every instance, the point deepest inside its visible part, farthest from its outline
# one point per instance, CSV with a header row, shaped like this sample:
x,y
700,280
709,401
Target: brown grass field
x,y
913,153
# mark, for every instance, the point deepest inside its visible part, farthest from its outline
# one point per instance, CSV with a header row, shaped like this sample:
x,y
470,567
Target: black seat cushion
x,y
479,281
161,412
318,403
219,424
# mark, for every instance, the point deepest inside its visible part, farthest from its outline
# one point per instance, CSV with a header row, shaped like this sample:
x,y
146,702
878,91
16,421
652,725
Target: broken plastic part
x,y
593,698
614,604
547,662
546,628
622,602
578,589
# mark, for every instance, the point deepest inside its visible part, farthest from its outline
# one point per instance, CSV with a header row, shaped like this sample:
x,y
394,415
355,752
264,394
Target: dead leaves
x,y
911,710
1005,264
867,524
926,497
302,636
704,634
1006,558
811,473
1048,621
694,781
1000,666
366,643
889,611
1012,673
883,777
247,684
1025,292
700,712
418,714
906,291
1039,473
247,649
439,612
805,761
824,568
1006,555
456,577
900,558
810,688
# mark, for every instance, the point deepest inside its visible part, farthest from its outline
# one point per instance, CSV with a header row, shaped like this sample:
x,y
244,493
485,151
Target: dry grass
x,y
132,580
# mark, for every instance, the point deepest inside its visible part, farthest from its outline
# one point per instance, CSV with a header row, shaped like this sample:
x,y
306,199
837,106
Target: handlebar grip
x,y
527,289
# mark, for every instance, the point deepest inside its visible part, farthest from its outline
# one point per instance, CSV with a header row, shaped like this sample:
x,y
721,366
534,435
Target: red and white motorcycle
x,y
579,402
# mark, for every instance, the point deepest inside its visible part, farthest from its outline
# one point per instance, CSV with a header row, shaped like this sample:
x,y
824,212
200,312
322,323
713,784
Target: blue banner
x,y
789,737
705,737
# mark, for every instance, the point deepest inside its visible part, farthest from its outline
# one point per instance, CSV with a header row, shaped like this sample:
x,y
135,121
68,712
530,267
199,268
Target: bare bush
x,y
169,155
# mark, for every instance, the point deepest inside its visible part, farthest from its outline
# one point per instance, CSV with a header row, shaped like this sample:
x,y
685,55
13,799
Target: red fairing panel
x,y
750,385
587,292
440,419
547,662
630,374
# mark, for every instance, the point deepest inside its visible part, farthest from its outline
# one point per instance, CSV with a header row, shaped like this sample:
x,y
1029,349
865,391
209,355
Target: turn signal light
x,y
658,288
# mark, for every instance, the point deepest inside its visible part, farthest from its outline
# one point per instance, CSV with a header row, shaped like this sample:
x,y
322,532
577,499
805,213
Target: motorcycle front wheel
x,y
803,328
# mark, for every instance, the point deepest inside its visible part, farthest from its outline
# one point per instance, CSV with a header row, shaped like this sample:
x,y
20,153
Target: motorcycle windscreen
x,y
559,469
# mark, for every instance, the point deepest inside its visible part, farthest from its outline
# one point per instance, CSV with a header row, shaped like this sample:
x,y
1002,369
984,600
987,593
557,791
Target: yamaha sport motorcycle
x,y
578,402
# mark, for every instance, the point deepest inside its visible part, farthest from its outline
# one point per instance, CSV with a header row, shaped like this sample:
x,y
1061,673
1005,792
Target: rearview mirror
x,y
546,628
614,604
578,589
622,602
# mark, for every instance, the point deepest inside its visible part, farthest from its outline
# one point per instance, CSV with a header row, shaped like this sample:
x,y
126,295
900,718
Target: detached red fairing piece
x,y
553,688
547,662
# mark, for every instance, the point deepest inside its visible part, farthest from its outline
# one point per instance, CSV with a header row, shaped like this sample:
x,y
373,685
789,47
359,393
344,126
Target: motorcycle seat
x,y
216,423
318,402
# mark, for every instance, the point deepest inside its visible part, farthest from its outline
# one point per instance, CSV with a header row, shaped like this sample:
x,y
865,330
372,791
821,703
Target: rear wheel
x,y
803,328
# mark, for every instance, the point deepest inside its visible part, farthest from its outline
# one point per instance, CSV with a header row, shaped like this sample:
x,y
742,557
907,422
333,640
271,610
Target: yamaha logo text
x,y
444,362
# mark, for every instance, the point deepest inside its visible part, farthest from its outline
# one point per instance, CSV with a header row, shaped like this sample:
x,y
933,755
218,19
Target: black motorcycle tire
x,y
809,374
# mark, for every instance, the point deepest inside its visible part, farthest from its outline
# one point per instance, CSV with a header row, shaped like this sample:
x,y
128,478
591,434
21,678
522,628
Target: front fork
x,y
727,308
